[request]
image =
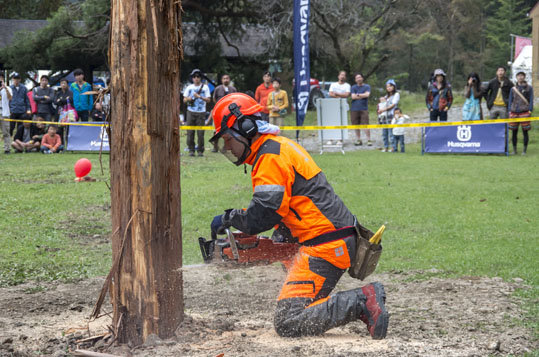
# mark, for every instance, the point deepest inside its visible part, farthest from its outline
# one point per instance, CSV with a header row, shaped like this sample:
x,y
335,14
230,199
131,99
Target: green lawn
x,y
461,214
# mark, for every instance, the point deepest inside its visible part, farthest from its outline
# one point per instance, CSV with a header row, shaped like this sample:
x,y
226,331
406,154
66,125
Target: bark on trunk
x,y
145,51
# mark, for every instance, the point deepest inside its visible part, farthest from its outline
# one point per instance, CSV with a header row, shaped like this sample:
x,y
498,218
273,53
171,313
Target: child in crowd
x,y
277,104
23,138
398,133
40,131
382,113
382,104
51,142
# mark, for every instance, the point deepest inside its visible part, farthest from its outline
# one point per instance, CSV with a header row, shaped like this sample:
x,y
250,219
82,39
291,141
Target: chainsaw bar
x,y
242,248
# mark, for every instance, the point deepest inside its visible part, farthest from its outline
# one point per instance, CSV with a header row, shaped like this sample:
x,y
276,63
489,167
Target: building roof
x,y
253,43
8,28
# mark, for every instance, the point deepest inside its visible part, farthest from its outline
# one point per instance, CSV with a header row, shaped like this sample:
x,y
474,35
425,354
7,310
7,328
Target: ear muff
x,y
246,124
247,127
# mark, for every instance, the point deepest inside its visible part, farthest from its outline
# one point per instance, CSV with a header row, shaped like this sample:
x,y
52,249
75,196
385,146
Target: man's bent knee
x,y
285,321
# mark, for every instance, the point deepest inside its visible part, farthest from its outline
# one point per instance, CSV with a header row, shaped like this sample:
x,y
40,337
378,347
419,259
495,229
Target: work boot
x,y
375,314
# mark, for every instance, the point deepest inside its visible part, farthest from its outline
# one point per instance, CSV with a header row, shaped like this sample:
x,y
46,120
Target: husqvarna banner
x,y
87,138
484,138
302,69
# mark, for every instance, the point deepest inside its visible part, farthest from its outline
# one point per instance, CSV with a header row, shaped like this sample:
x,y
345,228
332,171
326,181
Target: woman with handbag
x,y
471,109
64,106
520,106
63,96
277,103
439,97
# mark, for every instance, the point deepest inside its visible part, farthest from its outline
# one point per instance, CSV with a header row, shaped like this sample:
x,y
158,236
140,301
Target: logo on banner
x,y
301,58
102,138
464,135
464,132
303,100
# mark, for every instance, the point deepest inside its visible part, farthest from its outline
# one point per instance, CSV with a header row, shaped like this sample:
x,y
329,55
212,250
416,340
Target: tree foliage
x,y
401,39
76,36
29,9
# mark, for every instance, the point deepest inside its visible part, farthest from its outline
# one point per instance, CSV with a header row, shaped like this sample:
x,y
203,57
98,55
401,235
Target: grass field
x,y
461,215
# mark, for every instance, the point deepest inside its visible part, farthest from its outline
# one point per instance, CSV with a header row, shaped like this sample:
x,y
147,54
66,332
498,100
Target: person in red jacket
x,y
291,191
262,93
51,142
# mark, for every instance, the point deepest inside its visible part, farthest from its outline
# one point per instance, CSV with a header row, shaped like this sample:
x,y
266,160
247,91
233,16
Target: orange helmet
x,y
246,104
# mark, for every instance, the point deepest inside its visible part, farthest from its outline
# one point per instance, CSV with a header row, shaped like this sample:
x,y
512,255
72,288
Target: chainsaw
x,y
241,248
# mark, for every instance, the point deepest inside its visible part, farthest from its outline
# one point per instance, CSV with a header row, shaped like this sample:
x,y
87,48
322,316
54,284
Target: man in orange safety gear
x,y
291,191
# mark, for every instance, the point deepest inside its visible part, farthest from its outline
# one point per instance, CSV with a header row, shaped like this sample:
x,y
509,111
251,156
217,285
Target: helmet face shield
x,y
232,145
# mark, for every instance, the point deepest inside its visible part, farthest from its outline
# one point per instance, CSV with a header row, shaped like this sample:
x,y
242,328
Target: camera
x,y
474,80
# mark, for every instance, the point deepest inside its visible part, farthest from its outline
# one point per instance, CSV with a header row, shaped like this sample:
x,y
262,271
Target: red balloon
x,y
83,167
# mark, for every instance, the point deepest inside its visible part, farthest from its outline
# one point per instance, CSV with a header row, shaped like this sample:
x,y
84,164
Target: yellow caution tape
x,y
331,127
377,237
55,122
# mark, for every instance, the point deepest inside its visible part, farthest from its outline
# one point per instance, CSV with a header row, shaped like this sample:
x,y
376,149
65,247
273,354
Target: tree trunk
x,y
88,74
145,46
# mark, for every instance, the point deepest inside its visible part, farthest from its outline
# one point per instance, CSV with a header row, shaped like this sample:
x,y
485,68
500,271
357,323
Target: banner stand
x,y
332,111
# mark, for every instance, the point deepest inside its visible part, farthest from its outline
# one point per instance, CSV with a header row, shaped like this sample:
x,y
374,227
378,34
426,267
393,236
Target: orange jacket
x,y
290,188
261,96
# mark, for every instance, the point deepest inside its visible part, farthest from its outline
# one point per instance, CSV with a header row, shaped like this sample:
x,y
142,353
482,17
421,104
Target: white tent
x,y
523,63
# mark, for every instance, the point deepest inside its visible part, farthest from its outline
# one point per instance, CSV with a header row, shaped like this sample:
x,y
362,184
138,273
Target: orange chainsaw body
x,y
252,249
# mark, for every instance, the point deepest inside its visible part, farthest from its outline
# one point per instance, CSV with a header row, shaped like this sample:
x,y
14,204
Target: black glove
x,y
217,226
283,235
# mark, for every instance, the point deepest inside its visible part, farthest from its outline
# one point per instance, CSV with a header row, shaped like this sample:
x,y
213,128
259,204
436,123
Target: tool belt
x,y
330,236
367,253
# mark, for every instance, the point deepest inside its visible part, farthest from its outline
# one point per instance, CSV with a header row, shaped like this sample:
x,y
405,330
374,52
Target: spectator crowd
x,y
69,103
74,102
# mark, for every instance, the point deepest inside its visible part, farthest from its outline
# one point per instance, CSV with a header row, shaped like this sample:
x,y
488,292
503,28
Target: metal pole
x,y
512,46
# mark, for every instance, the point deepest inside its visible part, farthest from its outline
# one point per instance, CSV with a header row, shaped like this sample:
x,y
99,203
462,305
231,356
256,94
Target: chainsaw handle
x,y
233,245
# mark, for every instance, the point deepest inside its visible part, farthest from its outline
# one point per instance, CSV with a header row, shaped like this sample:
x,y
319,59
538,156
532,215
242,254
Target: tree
x,y
209,21
145,169
507,17
29,9
75,36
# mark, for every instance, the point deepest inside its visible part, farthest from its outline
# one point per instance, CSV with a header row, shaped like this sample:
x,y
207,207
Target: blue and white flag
x,y
302,69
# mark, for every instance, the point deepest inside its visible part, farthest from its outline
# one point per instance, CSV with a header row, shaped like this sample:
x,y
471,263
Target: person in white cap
x,y
196,96
439,97
20,104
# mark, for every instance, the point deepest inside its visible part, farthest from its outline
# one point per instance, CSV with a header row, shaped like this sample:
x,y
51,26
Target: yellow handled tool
x,y
377,237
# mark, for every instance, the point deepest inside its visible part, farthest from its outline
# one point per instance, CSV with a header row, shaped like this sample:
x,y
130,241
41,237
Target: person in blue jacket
x,y
83,102
20,104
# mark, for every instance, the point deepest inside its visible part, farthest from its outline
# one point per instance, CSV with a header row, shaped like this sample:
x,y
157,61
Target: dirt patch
x,y
231,311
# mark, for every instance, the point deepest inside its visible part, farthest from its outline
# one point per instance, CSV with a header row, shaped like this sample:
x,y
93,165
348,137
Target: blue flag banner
x,y
87,138
302,68
485,138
